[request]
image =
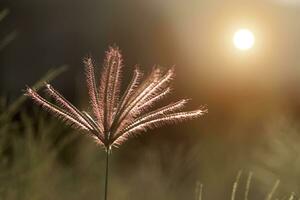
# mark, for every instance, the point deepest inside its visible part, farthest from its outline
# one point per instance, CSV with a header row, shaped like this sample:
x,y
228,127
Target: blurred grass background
x,y
253,100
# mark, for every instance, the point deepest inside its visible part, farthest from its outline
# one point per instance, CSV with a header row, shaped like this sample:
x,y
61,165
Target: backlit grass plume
x,y
116,117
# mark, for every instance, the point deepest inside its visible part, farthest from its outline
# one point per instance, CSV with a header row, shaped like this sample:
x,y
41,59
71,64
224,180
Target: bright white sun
x,y
243,39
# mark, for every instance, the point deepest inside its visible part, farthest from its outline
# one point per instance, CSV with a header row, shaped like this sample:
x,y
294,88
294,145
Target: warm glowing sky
x,y
193,34
205,29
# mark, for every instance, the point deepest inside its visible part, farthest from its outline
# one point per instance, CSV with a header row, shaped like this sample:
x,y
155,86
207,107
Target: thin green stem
x,y
106,175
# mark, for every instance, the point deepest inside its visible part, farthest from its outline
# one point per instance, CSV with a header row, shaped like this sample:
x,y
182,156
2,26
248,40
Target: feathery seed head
x,y
117,117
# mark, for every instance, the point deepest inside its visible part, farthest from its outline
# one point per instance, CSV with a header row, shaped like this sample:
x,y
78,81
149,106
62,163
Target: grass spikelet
x,y
249,179
235,185
273,190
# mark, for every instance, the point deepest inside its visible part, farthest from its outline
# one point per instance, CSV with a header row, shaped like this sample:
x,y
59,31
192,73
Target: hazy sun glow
x,y
243,39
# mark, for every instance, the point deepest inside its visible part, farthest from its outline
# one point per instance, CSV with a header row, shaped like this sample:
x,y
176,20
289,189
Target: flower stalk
x,y
106,175
115,117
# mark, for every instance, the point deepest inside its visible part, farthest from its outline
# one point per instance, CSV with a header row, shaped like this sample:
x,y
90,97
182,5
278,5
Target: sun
x,y
243,39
